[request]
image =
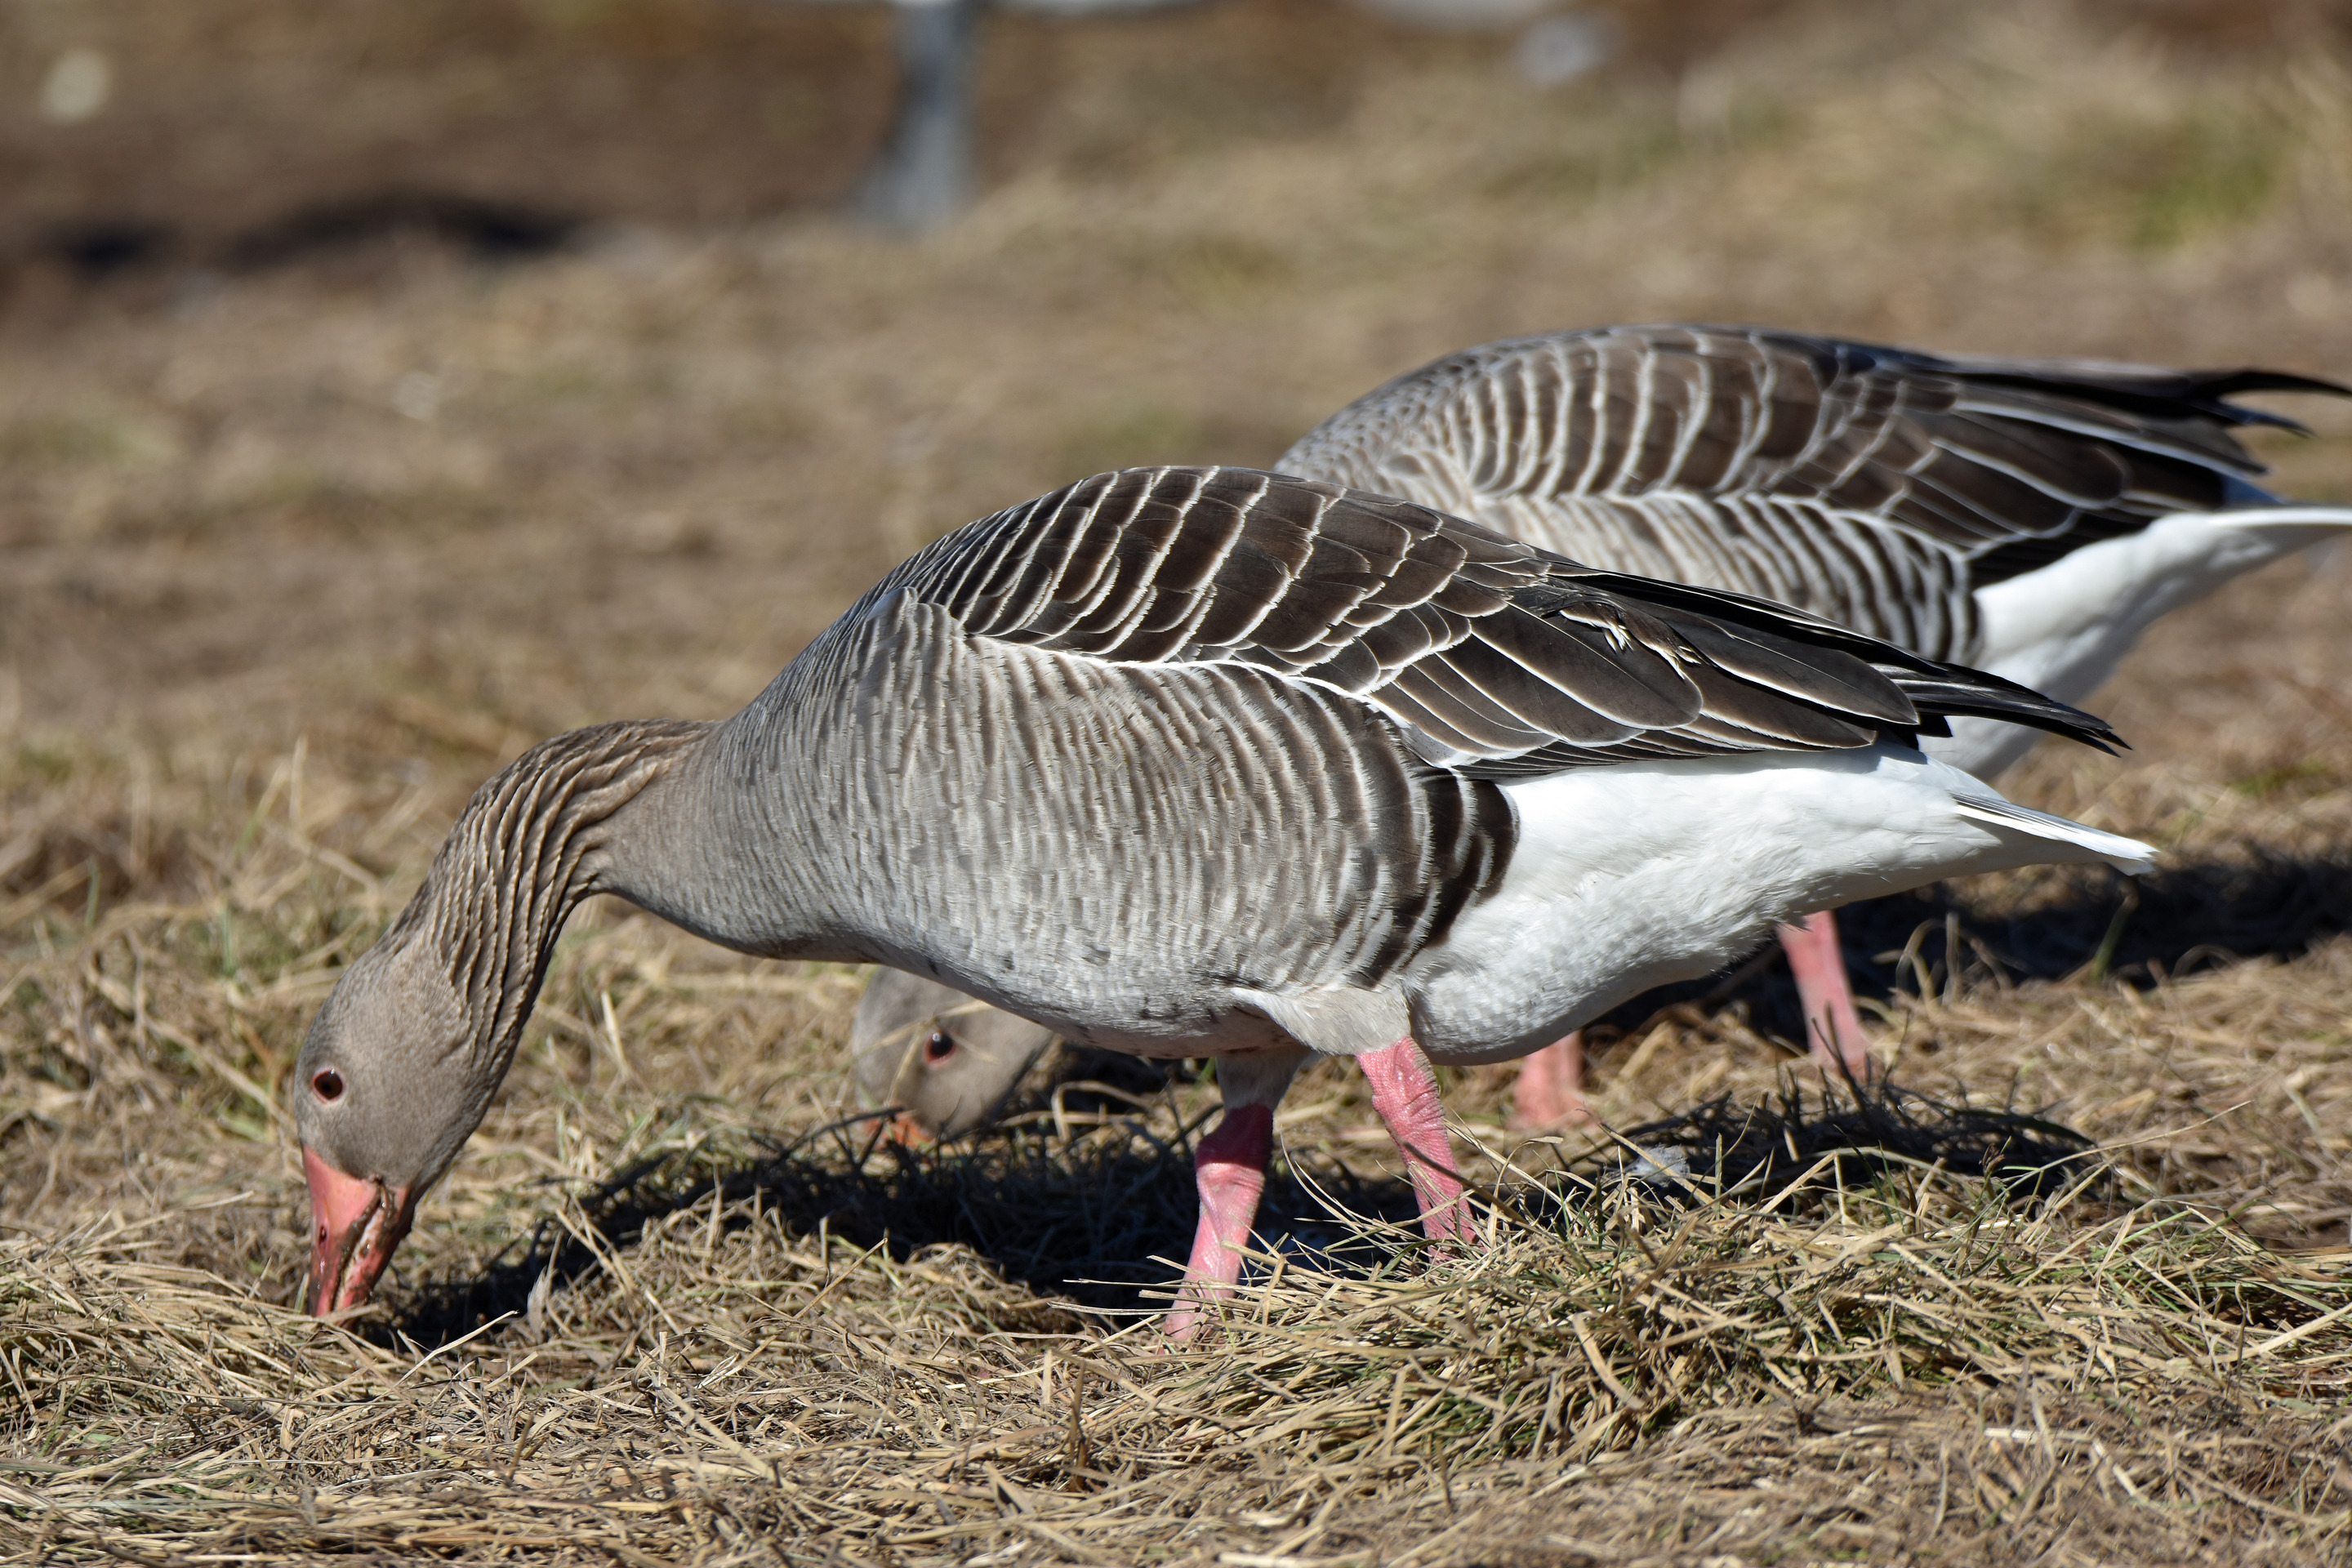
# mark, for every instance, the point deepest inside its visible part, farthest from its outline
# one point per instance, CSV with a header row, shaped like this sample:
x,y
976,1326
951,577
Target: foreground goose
x,y
2029,516
1199,761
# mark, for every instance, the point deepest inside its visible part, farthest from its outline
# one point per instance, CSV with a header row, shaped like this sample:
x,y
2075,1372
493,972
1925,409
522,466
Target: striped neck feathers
x,y
532,843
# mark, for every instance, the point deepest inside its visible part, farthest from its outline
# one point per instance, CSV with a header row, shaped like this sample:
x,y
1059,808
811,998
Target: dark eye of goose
x,y
328,1084
939,1046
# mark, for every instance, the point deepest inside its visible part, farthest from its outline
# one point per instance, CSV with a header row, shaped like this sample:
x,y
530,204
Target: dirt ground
x,y
383,389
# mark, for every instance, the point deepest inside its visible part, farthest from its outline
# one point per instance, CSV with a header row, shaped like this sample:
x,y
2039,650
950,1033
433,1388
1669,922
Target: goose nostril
x,y
328,1084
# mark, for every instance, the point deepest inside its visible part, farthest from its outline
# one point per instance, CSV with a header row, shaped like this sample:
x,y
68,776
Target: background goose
x,y
948,1061
1189,762
2029,516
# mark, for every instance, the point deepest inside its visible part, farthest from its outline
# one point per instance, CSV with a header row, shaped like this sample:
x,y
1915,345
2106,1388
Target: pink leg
x,y
1831,1026
1405,1094
1549,1094
1229,1167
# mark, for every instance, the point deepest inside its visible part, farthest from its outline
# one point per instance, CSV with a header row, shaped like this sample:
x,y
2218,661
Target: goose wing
x,y
1877,486
1496,658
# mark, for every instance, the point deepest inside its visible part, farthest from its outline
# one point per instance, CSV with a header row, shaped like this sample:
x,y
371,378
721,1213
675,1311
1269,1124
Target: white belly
x,y
1631,876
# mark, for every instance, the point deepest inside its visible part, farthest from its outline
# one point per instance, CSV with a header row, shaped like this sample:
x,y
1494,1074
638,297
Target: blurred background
x,y
420,379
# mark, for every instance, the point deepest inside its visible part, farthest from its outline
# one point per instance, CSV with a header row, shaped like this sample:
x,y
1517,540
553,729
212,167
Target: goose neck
x,y
565,820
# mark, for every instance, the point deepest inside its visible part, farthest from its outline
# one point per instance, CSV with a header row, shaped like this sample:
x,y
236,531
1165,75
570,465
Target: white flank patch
x,y
1630,877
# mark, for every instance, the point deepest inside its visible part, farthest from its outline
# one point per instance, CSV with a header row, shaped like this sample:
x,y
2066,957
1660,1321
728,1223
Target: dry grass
x,y
736,1387
289,559
682,1378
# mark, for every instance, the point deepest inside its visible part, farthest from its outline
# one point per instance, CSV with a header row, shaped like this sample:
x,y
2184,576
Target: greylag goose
x,y
2029,516
1198,761
946,1062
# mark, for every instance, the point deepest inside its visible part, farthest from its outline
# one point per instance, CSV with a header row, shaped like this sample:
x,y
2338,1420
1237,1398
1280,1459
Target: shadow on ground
x,y
102,246
1085,1226
1088,1226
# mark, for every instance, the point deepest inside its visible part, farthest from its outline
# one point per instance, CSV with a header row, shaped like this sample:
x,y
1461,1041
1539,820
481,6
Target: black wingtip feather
x,y
2149,390
2174,393
2217,385
1958,691
1742,610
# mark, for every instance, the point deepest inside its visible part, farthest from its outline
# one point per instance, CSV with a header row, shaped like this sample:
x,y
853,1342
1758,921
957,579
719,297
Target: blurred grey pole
x,y
923,176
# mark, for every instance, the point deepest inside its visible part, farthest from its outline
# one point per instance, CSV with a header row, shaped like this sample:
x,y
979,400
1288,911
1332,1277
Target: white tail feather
x,y
2126,855
2287,516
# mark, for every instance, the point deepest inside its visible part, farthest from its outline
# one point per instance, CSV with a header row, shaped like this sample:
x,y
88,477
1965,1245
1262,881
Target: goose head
x,y
412,1044
944,1061
389,1085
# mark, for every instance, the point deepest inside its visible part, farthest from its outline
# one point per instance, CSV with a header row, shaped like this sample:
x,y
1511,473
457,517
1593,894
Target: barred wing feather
x,y
1499,658
1879,486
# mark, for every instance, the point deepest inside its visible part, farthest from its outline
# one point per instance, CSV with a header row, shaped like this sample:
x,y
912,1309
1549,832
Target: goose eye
x,y
939,1046
328,1084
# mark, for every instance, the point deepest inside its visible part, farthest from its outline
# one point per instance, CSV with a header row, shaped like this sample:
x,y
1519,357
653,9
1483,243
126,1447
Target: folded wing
x,y
1496,657
1877,486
